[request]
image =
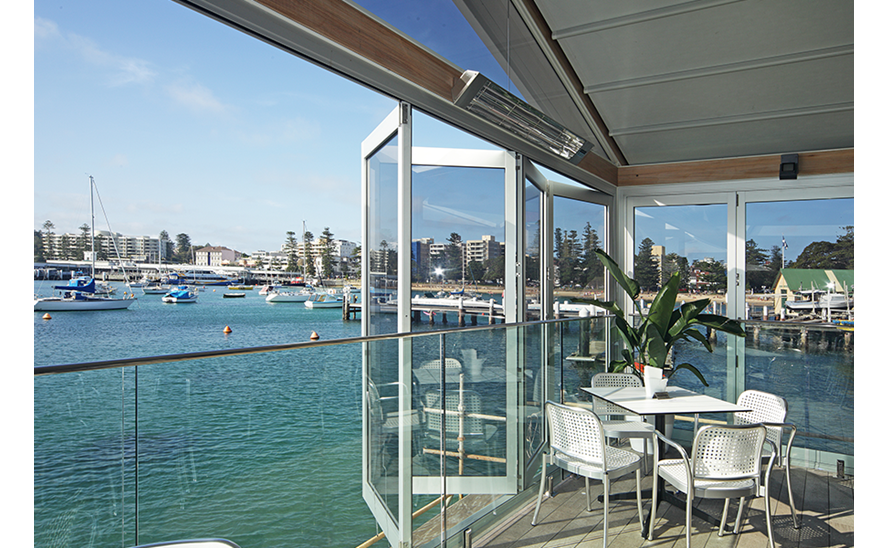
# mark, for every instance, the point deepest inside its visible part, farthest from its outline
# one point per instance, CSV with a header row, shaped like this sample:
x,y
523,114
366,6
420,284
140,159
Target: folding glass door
x,y
440,409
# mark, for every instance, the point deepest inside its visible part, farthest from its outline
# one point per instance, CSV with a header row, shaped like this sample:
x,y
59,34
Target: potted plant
x,y
649,343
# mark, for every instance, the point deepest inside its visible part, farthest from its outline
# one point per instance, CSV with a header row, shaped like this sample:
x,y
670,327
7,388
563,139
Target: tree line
x,y
762,268
74,248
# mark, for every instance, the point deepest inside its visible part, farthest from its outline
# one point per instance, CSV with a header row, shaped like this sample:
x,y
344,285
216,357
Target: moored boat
x,y
325,300
234,295
278,296
181,294
80,293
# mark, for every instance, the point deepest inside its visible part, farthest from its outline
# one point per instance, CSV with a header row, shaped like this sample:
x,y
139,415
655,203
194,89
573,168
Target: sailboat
x,y
80,293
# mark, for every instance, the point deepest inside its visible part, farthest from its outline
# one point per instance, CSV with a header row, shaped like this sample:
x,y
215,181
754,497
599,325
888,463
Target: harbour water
x,y
265,449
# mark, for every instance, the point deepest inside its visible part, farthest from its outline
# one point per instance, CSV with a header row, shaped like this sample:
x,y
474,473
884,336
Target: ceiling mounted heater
x,y
484,98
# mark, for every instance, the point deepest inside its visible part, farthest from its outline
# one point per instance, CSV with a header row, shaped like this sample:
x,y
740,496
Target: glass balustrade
x,y
264,446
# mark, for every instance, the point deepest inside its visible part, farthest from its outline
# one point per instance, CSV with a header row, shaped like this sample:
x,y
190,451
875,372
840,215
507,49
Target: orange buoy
x,y
314,336
227,329
47,316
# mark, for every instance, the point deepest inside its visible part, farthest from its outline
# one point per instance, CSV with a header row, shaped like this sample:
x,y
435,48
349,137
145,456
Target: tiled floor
x,y
824,502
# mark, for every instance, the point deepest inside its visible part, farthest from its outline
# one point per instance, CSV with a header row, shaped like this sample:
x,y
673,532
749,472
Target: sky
x,y
191,127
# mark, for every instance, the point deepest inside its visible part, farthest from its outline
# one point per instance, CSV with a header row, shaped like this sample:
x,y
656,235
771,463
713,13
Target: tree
x,y
39,257
290,247
758,273
48,245
308,256
183,248
326,253
84,244
712,275
593,271
646,267
829,255
165,246
454,257
676,264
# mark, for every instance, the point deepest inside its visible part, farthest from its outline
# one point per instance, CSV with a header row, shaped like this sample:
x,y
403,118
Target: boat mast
x,y
92,233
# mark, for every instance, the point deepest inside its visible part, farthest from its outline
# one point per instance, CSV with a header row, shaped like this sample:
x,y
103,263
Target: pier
x,y
438,310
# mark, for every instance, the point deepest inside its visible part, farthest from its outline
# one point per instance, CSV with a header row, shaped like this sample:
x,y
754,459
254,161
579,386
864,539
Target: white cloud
x,y
121,69
194,96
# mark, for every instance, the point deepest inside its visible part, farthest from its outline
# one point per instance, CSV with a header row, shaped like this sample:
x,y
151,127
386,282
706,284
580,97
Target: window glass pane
x,y
807,355
578,231
457,243
382,356
690,240
814,240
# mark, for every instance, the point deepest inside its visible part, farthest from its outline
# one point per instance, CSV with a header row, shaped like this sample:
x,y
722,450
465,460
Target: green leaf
x,y
629,285
691,368
654,349
662,306
721,323
682,316
610,306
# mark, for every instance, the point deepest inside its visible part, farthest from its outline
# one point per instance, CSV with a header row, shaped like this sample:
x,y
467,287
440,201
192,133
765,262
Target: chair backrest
x,y
766,408
197,543
613,380
728,452
450,363
472,403
575,432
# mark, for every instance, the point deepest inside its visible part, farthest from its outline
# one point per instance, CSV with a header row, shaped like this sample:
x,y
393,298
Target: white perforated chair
x,y
196,543
771,410
577,444
617,421
725,463
450,363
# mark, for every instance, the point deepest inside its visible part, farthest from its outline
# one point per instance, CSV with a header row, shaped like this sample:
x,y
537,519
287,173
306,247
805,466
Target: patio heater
x,y
484,98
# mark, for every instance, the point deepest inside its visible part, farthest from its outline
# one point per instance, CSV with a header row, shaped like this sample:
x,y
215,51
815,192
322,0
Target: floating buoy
x,y
47,316
314,336
227,329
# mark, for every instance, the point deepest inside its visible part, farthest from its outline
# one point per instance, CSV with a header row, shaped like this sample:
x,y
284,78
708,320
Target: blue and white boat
x,y
180,294
80,295
81,292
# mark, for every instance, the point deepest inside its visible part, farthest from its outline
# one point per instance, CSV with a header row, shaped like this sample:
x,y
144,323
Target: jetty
x,y
438,309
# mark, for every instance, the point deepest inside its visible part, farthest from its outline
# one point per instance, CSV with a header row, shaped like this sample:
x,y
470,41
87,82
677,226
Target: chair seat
x,y
674,471
620,461
627,429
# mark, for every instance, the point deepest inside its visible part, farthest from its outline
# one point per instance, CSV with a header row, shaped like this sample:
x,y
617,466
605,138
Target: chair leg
x,y
724,517
790,493
540,492
740,515
639,497
688,504
768,502
589,497
651,520
607,487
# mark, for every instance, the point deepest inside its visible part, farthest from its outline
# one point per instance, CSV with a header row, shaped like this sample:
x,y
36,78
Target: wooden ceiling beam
x,y
754,167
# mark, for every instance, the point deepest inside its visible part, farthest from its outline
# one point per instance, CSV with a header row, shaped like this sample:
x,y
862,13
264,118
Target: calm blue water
x,y
263,449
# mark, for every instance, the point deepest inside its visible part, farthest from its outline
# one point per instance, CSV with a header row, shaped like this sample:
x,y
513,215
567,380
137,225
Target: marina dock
x,y
433,310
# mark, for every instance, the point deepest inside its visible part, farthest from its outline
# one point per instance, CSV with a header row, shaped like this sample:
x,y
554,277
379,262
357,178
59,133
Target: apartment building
x,y
108,245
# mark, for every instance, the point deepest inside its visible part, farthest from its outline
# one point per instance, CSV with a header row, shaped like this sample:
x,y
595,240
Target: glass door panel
x,y
383,439
692,242
800,305
458,252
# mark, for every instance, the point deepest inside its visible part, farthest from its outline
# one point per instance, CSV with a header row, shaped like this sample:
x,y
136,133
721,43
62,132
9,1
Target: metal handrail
x,y
172,358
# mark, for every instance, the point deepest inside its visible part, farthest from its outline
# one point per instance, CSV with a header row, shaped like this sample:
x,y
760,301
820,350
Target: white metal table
x,y
680,402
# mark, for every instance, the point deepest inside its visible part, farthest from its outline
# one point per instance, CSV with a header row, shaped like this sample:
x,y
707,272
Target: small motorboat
x,y
325,300
180,294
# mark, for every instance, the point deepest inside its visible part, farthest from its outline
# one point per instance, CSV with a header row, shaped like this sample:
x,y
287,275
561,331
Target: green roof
x,y
805,278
